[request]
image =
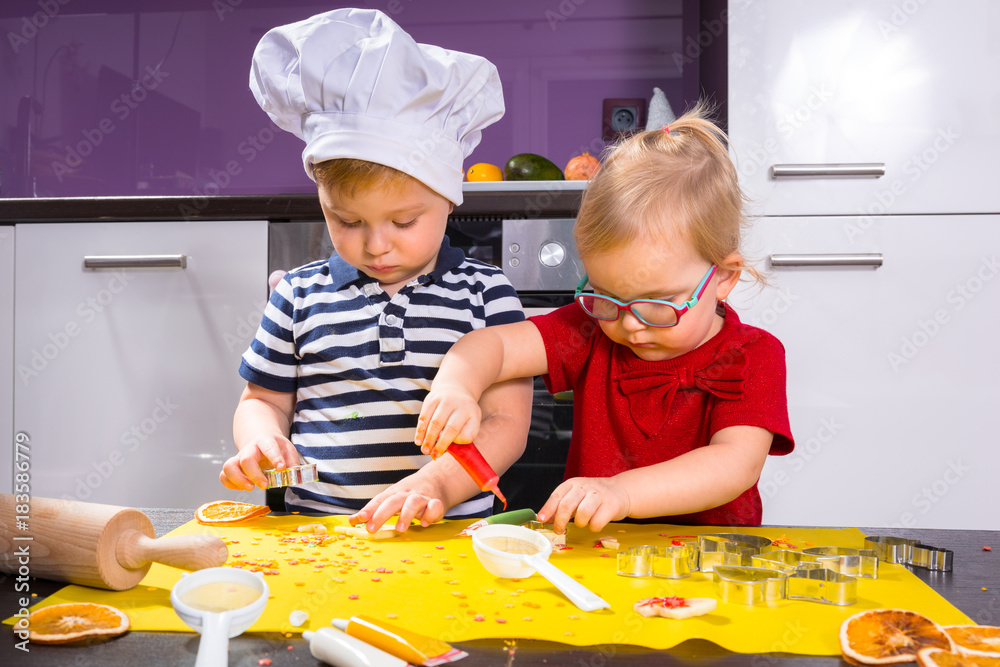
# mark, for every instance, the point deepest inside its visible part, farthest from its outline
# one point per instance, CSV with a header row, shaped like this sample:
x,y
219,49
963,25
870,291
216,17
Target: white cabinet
x,y
908,84
892,372
126,378
6,357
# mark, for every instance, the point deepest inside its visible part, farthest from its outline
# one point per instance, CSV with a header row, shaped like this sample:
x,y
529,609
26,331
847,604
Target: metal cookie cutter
x,y
845,560
910,552
785,560
757,585
300,474
729,549
749,585
822,585
674,562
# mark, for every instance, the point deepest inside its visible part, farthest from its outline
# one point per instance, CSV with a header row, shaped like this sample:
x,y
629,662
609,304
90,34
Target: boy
x,y
348,347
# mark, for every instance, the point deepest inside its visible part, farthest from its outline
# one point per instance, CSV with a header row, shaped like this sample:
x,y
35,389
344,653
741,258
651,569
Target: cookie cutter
x,y
785,560
673,562
760,585
910,552
749,585
822,585
291,476
846,560
679,561
729,549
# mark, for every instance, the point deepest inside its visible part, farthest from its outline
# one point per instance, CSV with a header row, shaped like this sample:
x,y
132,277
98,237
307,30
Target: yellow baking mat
x,y
430,581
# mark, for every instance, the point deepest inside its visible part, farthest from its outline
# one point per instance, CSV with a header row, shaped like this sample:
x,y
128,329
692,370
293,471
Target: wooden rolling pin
x,y
104,546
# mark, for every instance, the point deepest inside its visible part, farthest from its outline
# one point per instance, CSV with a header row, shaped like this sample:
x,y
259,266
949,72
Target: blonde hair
x,y
350,175
656,186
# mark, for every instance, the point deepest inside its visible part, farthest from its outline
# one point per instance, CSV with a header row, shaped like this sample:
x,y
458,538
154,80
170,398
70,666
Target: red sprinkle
x,y
264,661
353,597
987,548
500,620
671,602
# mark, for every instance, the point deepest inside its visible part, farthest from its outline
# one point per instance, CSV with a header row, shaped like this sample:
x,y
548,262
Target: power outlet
x,y
622,116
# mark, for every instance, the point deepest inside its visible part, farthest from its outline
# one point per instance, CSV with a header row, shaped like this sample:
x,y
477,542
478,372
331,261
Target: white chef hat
x,y
352,84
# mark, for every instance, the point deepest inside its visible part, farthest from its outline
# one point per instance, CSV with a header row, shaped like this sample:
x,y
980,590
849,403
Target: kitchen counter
x,y
527,199
975,570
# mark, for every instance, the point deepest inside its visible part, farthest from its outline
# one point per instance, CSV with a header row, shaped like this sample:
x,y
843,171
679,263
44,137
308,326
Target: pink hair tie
x,y
666,128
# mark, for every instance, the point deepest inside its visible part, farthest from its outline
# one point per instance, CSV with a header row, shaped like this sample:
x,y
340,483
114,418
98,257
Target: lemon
x,y
483,171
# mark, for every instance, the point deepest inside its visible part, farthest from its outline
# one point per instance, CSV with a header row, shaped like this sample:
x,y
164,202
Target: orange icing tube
x,y
414,648
472,460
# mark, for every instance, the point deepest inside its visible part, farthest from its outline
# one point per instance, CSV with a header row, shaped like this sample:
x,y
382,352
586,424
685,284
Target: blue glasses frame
x,y
582,298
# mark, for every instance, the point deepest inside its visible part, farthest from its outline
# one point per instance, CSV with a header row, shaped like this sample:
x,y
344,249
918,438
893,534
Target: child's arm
x,y
451,411
703,478
441,484
260,428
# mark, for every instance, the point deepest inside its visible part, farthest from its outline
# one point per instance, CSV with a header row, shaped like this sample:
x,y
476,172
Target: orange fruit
x,y
936,657
975,639
228,511
72,621
582,167
889,636
483,171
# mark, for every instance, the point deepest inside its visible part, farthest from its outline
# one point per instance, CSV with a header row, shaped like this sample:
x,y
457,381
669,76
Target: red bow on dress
x,y
650,393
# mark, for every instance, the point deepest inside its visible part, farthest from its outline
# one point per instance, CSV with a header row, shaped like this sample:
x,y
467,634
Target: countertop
x,y
510,199
974,570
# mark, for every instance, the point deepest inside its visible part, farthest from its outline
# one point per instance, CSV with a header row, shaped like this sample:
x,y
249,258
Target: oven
x,y
538,256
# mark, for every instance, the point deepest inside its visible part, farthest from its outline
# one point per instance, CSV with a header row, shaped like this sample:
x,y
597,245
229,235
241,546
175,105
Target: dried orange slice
x,y
72,621
936,657
889,636
975,639
228,511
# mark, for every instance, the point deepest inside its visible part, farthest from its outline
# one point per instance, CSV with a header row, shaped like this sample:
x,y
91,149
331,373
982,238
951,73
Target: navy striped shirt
x,y
360,364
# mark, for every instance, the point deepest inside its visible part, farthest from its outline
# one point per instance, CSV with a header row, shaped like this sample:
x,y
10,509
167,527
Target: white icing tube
x,y
341,650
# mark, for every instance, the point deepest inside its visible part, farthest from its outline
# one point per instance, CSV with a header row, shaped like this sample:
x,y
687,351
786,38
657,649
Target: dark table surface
x,y
974,570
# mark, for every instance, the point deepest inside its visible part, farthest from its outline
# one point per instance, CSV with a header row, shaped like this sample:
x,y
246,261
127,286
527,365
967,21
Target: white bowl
x,y
501,563
239,620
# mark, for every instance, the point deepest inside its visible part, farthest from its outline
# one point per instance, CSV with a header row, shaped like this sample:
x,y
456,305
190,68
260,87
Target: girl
x,y
677,402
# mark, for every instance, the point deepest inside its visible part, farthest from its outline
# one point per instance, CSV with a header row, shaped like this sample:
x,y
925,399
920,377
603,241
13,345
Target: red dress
x,y
630,413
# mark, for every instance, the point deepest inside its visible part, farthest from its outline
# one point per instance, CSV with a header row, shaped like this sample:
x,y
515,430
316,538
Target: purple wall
x,y
106,101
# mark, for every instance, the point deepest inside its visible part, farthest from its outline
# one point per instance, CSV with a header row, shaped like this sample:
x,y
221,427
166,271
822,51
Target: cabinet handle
x,y
134,261
870,259
851,170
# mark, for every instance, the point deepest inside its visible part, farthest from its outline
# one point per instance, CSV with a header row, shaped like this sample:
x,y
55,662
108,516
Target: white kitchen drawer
x,y
126,379
892,372
909,85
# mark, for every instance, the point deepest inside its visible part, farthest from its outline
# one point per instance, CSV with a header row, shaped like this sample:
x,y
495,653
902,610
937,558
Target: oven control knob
x,y
552,254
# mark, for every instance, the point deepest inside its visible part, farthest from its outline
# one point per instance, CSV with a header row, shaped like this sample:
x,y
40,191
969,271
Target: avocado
x,y
531,167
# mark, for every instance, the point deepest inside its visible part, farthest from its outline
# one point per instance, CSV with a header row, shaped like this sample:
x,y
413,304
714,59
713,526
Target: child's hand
x,y
243,471
449,414
405,499
593,501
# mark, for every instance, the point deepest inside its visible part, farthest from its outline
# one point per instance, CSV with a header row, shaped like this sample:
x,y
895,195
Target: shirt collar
x,y
343,274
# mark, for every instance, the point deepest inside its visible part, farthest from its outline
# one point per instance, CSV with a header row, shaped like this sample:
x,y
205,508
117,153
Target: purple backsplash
x,y
74,124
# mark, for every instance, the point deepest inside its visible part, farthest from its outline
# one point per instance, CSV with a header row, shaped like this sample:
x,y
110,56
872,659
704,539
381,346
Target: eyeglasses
x,y
651,312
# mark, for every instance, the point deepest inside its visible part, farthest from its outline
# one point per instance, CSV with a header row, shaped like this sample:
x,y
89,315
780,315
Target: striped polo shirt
x,y
360,364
